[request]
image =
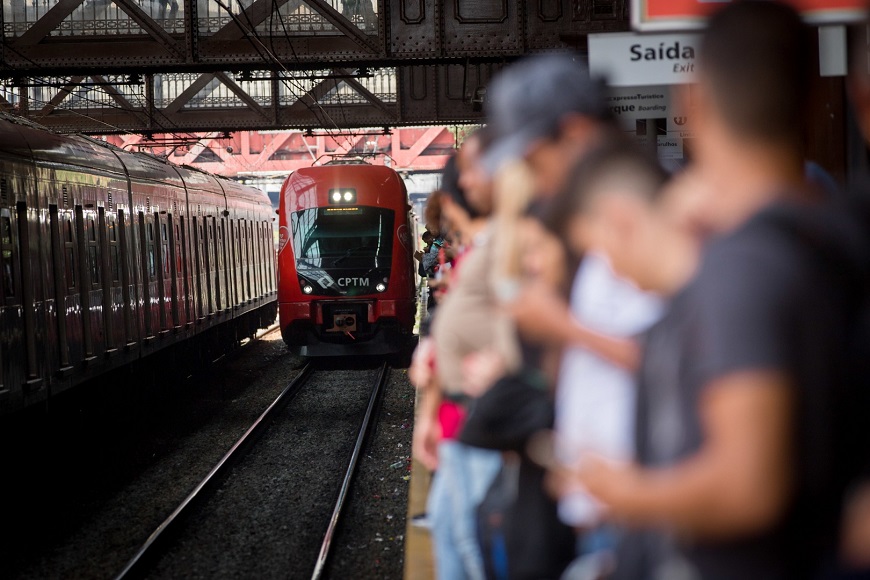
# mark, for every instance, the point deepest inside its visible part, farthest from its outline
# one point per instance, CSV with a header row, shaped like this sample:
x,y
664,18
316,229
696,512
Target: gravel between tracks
x,y
93,484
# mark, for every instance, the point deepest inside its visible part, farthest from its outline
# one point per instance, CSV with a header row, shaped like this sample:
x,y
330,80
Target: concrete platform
x,y
419,563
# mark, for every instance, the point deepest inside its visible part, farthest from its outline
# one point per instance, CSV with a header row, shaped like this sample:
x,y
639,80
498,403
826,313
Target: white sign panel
x,y
652,115
633,60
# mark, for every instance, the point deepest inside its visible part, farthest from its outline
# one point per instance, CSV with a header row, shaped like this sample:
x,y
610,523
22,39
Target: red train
x,y
346,269
108,256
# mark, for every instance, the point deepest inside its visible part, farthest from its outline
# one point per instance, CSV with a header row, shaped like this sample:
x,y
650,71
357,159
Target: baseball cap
x,y
527,100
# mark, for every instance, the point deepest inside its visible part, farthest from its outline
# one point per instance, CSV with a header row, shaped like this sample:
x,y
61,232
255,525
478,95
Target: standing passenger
x,y
745,385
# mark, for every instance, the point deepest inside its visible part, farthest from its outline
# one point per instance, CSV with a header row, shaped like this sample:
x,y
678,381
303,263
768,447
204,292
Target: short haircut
x,y
427,235
616,165
756,57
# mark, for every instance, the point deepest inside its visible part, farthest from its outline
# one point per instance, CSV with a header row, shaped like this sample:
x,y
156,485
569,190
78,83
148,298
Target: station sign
x,y
625,59
674,15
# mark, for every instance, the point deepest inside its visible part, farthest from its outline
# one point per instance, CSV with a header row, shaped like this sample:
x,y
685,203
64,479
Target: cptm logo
x,y
358,282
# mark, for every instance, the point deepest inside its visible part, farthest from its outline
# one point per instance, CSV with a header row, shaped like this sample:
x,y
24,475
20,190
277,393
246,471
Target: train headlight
x,y
307,289
344,195
381,287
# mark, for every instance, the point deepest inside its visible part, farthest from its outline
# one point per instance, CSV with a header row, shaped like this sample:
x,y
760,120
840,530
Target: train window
x,y
164,245
93,254
343,252
178,256
114,254
150,258
6,251
69,252
95,269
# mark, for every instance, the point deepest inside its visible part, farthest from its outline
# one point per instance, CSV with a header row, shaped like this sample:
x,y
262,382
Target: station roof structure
x,y
177,66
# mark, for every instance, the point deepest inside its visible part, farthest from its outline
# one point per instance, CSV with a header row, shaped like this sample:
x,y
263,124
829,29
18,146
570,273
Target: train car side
x,y
96,250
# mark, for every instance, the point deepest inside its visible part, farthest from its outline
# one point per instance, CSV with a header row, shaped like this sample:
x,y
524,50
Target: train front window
x,y
362,237
345,249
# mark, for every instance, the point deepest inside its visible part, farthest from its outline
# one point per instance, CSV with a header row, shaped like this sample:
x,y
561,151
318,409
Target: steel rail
x,y
219,469
348,476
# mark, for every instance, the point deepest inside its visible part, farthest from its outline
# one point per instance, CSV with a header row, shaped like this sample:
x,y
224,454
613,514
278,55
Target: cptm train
x,y
108,256
346,271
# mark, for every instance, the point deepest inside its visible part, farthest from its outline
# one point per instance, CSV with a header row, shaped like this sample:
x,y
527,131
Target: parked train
x,y
108,256
347,279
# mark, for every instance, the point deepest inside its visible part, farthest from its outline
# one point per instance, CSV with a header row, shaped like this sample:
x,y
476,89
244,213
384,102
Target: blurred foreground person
x,y
465,322
546,112
743,442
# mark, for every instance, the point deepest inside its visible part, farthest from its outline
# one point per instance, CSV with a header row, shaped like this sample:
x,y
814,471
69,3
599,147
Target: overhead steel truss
x,y
188,102
188,65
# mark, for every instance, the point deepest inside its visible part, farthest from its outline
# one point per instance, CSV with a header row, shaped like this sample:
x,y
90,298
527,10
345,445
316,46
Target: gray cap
x,y
527,100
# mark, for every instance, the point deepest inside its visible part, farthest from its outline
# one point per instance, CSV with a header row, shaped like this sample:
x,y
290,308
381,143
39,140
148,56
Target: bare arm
x,y
738,483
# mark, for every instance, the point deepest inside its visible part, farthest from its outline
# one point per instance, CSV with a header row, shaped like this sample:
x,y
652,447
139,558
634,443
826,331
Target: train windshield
x,y
343,250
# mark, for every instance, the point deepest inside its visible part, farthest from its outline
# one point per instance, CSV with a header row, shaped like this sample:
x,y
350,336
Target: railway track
x,y
164,537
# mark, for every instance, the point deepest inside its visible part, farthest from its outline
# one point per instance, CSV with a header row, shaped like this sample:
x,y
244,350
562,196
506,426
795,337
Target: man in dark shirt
x,y
745,385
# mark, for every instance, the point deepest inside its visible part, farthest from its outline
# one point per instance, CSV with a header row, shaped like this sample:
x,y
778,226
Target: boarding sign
x,y
673,15
634,60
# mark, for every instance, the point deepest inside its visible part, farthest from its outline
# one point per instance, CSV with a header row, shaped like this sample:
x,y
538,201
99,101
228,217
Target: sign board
x,y
673,15
626,59
653,117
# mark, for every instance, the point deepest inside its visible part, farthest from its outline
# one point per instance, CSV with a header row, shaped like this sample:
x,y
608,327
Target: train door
x,y
185,271
127,282
175,267
209,263
69,297
197,246
28,290
89,277
61,285
149,270
10,311
258,229
227,268
113,301
163,265
217,239
245,257
234,261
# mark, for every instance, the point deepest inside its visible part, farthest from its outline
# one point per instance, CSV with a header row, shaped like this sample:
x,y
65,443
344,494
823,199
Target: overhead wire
x,y
286,80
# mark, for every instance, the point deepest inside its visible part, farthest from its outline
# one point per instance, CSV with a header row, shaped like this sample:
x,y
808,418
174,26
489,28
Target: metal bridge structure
x,y
267,154
150,67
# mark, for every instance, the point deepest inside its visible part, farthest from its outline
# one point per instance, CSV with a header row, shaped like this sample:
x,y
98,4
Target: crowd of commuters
x,y
635,373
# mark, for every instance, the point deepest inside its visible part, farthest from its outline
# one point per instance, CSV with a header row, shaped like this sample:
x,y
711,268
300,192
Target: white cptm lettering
x,y
345,282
